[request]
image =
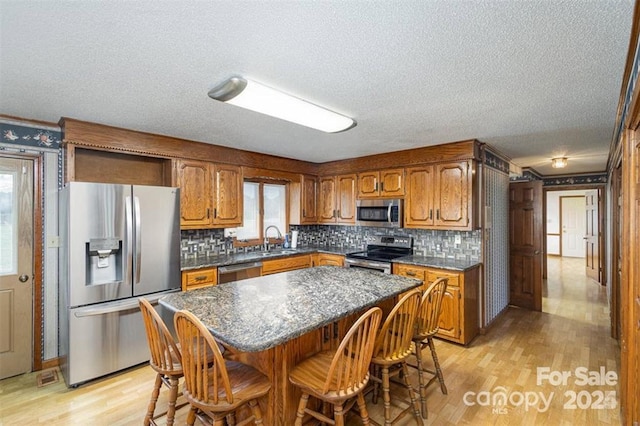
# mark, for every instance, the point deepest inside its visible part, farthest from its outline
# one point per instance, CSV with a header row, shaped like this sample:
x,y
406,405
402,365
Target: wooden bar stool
x,y
427,325
390,353
165,360
215,389
337,377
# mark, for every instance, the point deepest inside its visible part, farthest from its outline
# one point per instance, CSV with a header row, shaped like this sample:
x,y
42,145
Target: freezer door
x,y
96,241
156,218
103,339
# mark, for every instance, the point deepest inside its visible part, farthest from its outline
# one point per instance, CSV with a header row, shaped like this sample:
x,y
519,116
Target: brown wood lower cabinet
x,y
289,263
199,278
328,259
459,321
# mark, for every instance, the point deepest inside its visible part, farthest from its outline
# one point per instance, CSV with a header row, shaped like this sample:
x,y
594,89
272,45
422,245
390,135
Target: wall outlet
x,y
458,239
438,247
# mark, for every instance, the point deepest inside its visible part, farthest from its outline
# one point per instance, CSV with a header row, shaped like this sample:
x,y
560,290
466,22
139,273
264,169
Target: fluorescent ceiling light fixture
x,y
559,163
257,97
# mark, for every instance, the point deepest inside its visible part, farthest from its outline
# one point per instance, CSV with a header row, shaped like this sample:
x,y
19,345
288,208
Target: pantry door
x,y
16,266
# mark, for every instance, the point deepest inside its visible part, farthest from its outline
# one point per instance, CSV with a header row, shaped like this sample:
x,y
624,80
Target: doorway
x,y
16,266
566,228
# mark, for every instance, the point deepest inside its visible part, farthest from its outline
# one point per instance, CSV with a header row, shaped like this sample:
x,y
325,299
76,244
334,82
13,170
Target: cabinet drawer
x,y
410,271
434,274
286,264
199,278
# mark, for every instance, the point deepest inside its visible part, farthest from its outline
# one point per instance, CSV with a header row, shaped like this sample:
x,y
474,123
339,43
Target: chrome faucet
x,y
266,239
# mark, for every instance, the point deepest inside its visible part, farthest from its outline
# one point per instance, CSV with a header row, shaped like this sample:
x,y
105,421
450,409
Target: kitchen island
x,y
276,321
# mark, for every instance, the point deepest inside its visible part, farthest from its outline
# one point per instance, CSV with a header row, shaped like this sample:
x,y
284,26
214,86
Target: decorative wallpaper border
x,y
575,180
36,136
495,162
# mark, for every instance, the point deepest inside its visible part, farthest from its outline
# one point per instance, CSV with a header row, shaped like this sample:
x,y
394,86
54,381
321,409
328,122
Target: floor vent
x,y
47,378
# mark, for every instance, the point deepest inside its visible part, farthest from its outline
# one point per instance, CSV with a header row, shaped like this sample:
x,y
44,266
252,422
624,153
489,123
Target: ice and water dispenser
x,y
104,263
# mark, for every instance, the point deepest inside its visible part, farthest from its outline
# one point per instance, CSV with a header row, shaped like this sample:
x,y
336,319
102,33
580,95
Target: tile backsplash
x,y
461,245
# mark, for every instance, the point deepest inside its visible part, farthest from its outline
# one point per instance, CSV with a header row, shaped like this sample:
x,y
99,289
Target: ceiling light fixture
x,y
257,97
559,162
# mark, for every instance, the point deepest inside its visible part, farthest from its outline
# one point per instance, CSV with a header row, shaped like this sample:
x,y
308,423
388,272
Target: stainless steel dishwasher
x,y
239,272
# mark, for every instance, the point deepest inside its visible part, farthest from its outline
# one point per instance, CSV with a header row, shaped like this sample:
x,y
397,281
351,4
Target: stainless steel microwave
x,y
384,213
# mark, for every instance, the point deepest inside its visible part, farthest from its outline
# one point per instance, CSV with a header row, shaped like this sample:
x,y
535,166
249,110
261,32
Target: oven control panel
x,y
389,240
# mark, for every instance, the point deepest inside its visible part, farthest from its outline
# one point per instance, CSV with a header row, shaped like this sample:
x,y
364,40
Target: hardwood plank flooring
x,y
572,332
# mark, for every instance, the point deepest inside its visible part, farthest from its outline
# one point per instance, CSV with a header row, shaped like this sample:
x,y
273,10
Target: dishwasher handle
x,y
238,267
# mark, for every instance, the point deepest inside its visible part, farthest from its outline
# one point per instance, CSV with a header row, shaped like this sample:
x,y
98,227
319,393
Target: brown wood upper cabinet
x,y
210,194
439,196
303,199
337,199
381,183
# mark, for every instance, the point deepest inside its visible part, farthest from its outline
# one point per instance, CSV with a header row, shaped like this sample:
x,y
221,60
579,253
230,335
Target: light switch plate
x,y
53,241
458,239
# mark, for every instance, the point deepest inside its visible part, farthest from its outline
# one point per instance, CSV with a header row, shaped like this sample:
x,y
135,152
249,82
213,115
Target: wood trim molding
x,y
455,151
38,278
108,138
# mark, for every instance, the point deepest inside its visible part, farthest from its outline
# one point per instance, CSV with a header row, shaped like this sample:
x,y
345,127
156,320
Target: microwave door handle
x,y
389,212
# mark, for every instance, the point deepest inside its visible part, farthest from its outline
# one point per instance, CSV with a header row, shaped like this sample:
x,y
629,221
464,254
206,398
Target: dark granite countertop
x,y
259,313
256,256
438,262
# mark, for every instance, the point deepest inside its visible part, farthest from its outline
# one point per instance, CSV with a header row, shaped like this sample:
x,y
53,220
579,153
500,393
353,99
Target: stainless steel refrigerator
x,y
117,242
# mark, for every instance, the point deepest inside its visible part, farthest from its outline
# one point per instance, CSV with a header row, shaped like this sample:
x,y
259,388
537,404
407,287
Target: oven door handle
x,y
368,264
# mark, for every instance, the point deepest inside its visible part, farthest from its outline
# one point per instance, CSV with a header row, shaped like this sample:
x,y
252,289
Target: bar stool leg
x,y
422,385
432,346
257,413
364,414
386,395
301,406
414,402
154,400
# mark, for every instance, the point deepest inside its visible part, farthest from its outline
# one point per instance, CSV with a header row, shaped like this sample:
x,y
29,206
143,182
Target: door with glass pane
x,y
16,266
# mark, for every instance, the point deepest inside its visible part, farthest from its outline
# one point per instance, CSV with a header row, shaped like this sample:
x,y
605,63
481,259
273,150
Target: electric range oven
x,y
380,252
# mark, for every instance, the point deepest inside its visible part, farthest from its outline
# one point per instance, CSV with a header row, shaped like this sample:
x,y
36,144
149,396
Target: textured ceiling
x,y
534,79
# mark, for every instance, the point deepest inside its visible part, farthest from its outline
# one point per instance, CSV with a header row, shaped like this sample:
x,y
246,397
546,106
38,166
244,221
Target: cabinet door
x,y
325,259
453,186
419,201
196,203
450,314
368,184
346,199
309,196
228,190
327,200
392,183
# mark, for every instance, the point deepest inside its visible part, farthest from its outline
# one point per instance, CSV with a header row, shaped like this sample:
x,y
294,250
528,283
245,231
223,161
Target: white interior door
x,y
16,266
572,219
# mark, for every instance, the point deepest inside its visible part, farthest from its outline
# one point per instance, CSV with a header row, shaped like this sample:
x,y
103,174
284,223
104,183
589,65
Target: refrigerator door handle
x,y
138,238
124,305
129,230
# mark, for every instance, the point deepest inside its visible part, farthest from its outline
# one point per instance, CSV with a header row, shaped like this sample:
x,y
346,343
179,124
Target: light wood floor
x,y
571,332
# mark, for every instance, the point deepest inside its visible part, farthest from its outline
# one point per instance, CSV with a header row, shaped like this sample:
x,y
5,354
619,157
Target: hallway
x,y
571,333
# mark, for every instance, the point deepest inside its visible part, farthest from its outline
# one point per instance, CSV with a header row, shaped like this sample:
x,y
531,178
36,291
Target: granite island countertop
x,y
260,313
